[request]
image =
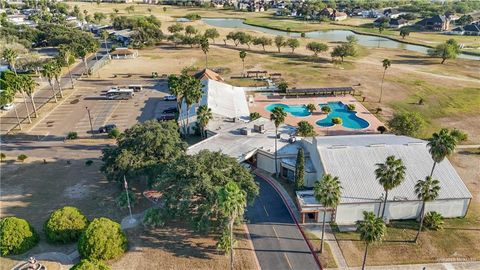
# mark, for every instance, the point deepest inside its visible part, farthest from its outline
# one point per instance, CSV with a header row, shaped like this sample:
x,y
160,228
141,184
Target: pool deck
x,y
260,101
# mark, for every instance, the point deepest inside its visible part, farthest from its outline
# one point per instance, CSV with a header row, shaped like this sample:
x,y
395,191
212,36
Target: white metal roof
x,y
352,158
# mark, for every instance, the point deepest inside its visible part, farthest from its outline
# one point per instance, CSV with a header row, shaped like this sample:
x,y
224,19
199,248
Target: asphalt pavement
x,y
277,241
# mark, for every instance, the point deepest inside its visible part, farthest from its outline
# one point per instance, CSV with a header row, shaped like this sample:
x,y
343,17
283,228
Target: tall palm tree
x,y
327,192
105,36
426,190
10,55
441,145
57,74
390,175
231,202
205,46
278,117
29,87
48,72
192,94
386,64
68,59
22,80
176,88
204,114
242,55
371,229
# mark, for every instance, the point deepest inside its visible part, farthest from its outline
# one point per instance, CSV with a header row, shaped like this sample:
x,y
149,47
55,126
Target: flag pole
x,y
128,198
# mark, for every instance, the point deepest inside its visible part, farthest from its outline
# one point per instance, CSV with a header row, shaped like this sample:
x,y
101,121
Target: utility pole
x,y
90,119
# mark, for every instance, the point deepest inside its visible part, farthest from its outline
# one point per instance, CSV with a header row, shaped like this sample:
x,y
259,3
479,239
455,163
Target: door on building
x,y
288,174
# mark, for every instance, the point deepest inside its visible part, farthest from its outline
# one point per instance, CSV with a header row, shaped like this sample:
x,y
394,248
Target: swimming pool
x,y
294,110
349,118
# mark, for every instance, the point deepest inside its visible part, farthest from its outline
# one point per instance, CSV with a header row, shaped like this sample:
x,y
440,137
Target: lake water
x,y
330,35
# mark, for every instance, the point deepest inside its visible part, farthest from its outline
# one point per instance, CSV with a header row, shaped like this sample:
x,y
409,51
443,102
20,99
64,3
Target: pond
x,y
330,35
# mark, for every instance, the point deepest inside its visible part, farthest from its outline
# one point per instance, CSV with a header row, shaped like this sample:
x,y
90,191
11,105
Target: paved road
x,y
277,241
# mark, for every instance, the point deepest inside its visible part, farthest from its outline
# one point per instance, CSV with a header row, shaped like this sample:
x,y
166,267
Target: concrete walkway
x,y
427,266
332,242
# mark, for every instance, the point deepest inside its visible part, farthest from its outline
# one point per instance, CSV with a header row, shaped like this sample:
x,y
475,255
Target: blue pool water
x,y
349,119
294,110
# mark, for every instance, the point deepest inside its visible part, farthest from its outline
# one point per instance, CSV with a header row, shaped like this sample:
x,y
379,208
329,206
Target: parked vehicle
x,y
106,128
166,117
170,98
171,110
119,93
8,106
136,88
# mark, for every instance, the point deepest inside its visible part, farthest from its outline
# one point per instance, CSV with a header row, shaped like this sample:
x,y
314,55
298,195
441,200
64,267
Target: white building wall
x,y
449,208
266,162
403,210
348,214
311,148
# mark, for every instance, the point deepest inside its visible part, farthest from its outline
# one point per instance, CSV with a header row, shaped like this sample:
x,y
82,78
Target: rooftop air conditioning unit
x,y
259,128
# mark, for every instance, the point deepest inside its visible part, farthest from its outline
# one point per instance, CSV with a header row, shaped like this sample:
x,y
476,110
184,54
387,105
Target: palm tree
x,y
10,55
7,96
327,192
371,229
48,73
426,190
29,88
390,175
192,94
311,107
243,54
386,64
68,59
231,202
22,86
204,114
204,44
442,144
105,35
57,74
278,117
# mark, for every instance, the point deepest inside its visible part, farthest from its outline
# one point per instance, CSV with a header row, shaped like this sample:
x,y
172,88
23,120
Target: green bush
x,y
153,218
114,133
326,109
433,221
90,265
65,225
102,240
254,116
72,135
336,120
122,201
22,157
89,162
16,236
351,107
193,16
406,123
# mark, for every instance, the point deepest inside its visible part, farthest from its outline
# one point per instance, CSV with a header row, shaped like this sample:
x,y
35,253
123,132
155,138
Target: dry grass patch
x,y
326,257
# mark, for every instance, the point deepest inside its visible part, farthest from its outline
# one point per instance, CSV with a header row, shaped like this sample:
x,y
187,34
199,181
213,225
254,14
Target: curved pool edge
x,y
356,115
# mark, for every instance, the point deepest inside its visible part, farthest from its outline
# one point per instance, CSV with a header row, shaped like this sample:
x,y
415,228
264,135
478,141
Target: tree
x,y
344,50
102,240
326,109
279,42
316,47
244,38
381,27
16,236
10,56
190,30
254,116
153,218
372,230
205,46
426,190
352,39
283,86
104,34
390,175
386,64
231,203
293,43
175,28
99,16
142,148
337,121
56,70
305,129
65,225
404,32
311,107
406,123
192,94
263,41
212,34
204,114
327,191
278,117
66,58
448,50
242,55
300,169
90,265
10,83
441,145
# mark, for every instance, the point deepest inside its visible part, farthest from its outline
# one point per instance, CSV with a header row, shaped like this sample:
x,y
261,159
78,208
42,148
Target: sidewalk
x,y
427,266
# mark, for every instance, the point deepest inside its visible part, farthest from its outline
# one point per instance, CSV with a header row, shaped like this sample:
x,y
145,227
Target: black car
x,y
165,118
171,110
106,128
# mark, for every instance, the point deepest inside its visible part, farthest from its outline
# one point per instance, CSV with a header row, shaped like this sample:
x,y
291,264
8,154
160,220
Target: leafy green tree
x,y
254,116
441,145
293,43
205,46
16,236
279,42
282,86
426,190
352,39
300,170
10,56
448,50
90,265
316,47
404,32
204,115
263,41
113,133
142,148
406,123
10,84
190,30
278,116
305,129
212,34
65,225
311,107
245,39
102,240
344,50
99,16
386,63
231,202
153,218
390,175
242,55
327,191
372,230
326,109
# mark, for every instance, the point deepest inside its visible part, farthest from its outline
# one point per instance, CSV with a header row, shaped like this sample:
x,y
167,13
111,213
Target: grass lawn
x,y
326,257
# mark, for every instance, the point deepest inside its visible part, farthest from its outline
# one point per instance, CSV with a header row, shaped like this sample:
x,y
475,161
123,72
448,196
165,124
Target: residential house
x,y
333,14
435,23
397,23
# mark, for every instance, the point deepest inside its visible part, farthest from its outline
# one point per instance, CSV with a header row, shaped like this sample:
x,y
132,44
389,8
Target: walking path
x,y
427,266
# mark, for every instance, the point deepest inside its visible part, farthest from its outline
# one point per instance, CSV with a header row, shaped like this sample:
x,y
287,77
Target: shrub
x,y
283,86
254,116
114,133
65,225
193,16
381,129
90,265
406,123
153,218
22,157
305,129
351,107
459,135
2,157
433,221
72,135
88,162
326,109
102,240
122,201
336,120
311,107
302,34
16,236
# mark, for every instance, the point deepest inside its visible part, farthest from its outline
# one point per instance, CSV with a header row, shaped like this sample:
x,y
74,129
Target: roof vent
x,y
377,145
338,146
414,143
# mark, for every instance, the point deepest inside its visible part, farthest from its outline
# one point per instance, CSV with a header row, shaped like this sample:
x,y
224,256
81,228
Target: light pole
x,y
90,119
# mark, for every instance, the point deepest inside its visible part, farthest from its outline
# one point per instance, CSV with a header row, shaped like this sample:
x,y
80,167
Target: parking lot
x,y
72,114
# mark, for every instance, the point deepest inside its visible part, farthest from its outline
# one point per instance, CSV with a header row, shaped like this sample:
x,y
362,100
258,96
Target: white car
x,y
8,107
170,98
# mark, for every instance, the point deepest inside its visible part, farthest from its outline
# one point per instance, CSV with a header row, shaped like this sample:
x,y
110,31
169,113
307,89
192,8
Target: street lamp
x,y
90,119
